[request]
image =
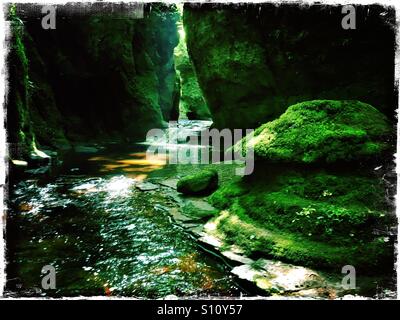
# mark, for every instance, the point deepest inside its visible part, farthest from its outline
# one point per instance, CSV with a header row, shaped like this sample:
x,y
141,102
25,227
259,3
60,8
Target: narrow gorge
x,y
85,196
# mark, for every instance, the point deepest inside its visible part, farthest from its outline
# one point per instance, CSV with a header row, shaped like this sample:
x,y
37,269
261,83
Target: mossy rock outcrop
x,y
203,182
192,104
375,257
254,60
294,210
314,218
322,131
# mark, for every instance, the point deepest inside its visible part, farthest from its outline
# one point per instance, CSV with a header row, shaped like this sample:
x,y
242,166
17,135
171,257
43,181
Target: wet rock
x,y
146,186
237,257
161,207
171,297
85,149
198,209
201,205
169,183
38,158
178,216
85,188
200,183
19,163
279,278
211,240
40,170
196,229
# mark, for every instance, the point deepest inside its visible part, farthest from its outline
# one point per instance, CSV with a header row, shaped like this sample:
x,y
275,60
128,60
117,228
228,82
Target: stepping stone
x,y
146,186
169,183
279,277
236,257
211,240
178,216
202,205
198,230
199,209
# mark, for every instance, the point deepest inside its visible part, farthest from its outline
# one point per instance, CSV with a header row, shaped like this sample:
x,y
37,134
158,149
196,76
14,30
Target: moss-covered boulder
x,y
375,257
254,60
322,131
202,182
313,218
315,198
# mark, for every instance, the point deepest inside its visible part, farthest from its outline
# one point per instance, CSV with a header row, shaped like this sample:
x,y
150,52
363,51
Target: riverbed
x,y
106,230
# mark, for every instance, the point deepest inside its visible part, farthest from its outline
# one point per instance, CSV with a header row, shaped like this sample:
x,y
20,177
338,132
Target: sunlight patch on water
x,y
119,186
43,197
138,166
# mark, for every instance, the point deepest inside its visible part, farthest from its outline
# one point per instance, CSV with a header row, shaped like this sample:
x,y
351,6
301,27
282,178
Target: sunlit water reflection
x,y
103,235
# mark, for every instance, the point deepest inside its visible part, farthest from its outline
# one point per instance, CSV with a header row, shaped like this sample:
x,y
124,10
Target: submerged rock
x,y
199,183
322,131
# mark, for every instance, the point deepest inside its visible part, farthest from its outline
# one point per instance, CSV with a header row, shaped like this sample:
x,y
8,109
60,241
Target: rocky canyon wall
x,y
255,60
96,76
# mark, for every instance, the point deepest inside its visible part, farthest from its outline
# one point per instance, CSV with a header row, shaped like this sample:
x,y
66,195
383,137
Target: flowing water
x,y
103,235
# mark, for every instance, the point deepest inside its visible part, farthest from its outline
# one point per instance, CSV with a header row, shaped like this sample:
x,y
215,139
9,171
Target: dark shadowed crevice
x,y
192,104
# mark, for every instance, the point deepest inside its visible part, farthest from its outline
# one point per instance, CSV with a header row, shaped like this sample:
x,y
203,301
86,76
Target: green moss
x,y
192,104
230,69
202,182
255,240
226,194
320,206
20,88
322,131
198,212
254,61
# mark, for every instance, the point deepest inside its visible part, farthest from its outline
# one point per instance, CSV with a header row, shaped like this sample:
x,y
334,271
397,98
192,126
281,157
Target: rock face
x,y
199,183
254,60
93,77
192,103
323,131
